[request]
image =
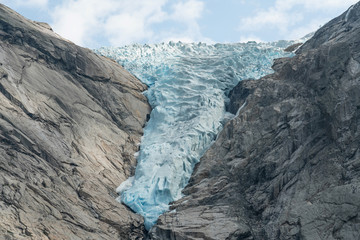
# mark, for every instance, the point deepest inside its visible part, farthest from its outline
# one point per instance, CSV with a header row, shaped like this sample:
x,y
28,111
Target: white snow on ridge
x,y
187,91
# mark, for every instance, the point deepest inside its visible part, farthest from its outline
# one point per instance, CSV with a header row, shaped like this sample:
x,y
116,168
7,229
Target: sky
x,y
96,23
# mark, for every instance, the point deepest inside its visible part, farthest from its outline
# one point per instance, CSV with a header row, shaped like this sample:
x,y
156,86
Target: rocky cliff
x,y
70,123
288,165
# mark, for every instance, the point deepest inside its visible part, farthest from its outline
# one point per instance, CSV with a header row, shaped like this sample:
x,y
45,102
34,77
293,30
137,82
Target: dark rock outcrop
x,y
288,165
70,123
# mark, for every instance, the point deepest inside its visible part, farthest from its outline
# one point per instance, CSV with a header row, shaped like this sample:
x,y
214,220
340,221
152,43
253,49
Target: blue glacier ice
x,y
187,91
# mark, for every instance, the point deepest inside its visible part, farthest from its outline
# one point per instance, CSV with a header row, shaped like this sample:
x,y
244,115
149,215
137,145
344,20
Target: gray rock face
x,y
70,122
288,166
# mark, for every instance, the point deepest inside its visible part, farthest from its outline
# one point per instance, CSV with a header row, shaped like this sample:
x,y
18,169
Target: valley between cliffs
x,y
287,166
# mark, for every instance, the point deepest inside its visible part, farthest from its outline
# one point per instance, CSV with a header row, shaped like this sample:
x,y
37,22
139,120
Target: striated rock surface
x,y
288,165
70,123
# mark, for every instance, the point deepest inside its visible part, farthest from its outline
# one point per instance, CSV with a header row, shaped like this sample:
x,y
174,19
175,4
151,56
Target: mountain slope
x,y
288,165
70,123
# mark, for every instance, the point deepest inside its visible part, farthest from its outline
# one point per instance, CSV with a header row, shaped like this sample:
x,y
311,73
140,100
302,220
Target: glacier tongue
x,y
187,91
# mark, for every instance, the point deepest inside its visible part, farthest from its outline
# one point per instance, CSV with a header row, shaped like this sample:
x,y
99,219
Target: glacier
x,y
188,85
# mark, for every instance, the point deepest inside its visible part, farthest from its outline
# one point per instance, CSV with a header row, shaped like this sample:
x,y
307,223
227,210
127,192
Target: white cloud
x,y
79,20
273,17
287,16
126,21
126,28
133,21
303,30
27,3
188,11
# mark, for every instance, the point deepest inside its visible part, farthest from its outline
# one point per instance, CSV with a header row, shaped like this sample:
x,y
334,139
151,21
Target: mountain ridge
x,y
287,167
70,124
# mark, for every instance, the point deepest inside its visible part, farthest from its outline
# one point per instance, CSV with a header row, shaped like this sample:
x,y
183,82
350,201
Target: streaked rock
x,y
70,123
288,166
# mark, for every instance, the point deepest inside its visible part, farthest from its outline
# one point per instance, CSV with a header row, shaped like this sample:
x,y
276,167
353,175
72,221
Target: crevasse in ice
x,y
187,92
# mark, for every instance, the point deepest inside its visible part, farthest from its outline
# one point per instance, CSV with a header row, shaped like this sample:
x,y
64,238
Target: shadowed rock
x,y
288,165
70,123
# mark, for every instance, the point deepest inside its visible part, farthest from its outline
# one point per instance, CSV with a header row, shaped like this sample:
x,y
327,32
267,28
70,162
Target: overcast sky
x,y
95,23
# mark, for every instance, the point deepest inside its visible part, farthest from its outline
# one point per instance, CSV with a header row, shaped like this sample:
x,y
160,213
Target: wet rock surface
x,y
70,123
288,165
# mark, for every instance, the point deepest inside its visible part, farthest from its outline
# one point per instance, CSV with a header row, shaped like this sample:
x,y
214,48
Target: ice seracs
x,y
187,91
